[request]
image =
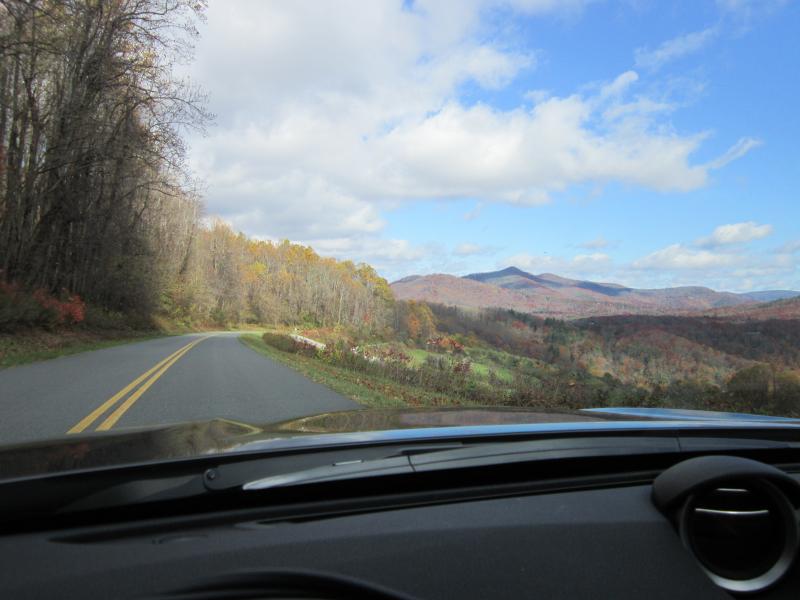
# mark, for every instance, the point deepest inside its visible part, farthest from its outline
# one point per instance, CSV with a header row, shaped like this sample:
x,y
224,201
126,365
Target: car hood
x,y
220,436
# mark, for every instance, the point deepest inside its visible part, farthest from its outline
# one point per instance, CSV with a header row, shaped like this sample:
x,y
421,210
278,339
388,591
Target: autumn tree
x,y
230,278
94,196
787,393
752,386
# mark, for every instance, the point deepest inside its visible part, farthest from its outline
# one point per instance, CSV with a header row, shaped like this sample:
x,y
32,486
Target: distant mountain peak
x,y
507,272
512,270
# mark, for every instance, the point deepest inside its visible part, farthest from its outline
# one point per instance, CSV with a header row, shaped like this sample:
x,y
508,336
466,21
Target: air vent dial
x,y
737,516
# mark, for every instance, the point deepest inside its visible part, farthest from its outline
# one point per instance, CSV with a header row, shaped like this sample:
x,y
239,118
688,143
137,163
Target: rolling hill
x,y
771,295
787,308
547,294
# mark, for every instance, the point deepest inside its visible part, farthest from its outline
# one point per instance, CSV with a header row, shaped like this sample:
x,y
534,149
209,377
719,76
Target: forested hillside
x,y
698,362
94,194
229,279
783,309
97,206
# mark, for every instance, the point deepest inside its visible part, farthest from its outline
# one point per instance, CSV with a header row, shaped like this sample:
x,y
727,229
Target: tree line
x,y
96,202
230,278
95,197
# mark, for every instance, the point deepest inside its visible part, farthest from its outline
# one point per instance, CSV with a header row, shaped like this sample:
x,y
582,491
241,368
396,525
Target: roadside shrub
x,y
21,308
279,342
286,344
303,348
70,311
96,317
16,307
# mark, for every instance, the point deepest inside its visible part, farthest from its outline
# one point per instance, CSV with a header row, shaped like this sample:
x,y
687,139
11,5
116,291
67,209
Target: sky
x,y
640,142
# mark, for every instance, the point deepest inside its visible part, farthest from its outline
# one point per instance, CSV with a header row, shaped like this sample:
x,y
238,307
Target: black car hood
x,y
220,436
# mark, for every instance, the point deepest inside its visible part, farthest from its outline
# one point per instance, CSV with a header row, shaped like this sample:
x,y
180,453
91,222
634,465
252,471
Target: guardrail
x,y
304,340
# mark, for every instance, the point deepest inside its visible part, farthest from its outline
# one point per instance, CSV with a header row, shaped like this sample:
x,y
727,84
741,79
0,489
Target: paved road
x,y
166,380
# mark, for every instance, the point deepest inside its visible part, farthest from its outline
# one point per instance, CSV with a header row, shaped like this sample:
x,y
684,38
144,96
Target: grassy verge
x,y
481,363
372,392
35,345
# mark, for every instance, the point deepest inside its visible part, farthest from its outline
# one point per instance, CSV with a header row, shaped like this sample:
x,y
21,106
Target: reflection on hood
x,y
218,436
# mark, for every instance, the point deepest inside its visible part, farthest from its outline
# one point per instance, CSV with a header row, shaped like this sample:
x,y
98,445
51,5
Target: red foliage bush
x,y
69,311
19,307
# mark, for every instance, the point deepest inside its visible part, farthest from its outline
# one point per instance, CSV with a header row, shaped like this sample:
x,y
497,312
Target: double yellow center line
x,y
153,374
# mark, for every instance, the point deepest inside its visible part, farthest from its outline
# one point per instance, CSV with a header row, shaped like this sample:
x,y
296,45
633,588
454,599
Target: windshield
x,y
252,216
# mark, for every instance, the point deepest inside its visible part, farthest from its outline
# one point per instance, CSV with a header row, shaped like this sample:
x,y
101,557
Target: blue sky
x,y
641,142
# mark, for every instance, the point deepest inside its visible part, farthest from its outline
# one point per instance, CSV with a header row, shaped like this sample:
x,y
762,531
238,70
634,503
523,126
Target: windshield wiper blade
x,y
353,469
431,458
483,454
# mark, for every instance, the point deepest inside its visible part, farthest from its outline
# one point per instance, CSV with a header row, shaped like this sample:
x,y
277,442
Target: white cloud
x,y
673,49
619,85
280,207
738,150
354,248
679,257
735,233
393,258
493,69
521,156
324,119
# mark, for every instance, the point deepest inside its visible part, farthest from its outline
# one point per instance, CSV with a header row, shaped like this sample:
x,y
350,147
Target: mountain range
x,y
550,295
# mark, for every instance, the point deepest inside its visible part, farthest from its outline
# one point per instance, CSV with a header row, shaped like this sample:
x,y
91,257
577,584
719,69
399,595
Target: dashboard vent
x,y
743,533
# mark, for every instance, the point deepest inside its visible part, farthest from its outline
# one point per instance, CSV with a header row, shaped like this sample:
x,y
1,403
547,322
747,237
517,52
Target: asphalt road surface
x,y
165,380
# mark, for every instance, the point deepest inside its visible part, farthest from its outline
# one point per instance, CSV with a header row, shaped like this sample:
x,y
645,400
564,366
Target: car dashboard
x,y
672,525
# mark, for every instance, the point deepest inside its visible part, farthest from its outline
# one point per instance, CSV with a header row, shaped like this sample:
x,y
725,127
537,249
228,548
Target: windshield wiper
x,y
353,469
488,454
252,474
478,455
